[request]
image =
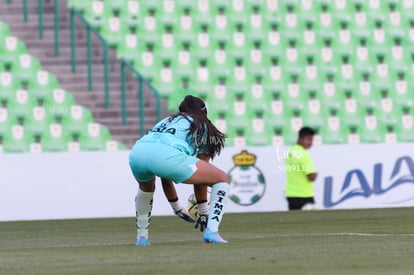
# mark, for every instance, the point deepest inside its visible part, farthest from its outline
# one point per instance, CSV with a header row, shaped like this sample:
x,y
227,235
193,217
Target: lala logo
x,y
398,177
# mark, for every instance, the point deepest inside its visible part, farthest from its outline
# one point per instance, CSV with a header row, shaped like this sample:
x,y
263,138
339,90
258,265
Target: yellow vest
x,y
298,164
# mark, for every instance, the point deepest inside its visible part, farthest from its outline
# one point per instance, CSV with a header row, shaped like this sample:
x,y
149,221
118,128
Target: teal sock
x,y
143,208
218,201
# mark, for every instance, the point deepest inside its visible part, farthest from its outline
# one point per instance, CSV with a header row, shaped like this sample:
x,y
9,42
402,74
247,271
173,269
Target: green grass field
x,y
370,241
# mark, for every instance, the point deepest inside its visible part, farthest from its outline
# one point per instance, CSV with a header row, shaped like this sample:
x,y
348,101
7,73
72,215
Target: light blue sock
x,y
218,201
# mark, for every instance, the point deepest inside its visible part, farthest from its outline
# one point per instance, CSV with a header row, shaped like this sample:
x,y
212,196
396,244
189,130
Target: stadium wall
x,y
99,184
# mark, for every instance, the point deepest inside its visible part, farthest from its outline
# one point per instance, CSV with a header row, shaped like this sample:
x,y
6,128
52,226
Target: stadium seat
x,y
7,120
114,31
95,138
150,29
58,103
184,62
10,49
43,84
131,48
18,140
8,86
164,80
77,119
130,12
25,67
22,104
55,139
116,5
147,63
38,122
96,13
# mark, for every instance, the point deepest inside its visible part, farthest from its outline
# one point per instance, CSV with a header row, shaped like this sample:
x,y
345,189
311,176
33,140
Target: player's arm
x,y
171,194
312,176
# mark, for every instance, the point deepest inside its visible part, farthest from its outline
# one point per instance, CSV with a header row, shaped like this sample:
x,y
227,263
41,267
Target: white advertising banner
x,y
100,184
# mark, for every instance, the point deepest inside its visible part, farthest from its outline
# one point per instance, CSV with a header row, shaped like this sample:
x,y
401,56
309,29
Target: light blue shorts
x,y
150,159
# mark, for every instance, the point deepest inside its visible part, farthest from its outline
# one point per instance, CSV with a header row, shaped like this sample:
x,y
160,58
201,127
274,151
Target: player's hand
x,y
182,214
202,222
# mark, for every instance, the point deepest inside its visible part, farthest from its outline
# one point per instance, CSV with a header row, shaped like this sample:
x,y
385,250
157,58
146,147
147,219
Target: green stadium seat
x,y
221,100
7,120
220,61
203,46
167,49
167,12
22,104
38,122
55,139
333,129
95,138
10,49
203,12
236,138
150,29
43,84
25,67
77,119
375,135
185,29
259,139
165,81
333,136
148,64
202,81
131,49
185,62
96,13
18,140
403,94
114,31
257,27
117,5
405,125
8,86
130,12
256,96
313,114
59,103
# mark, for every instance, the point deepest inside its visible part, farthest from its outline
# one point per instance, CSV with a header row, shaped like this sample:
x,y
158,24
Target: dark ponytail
x,y
202,132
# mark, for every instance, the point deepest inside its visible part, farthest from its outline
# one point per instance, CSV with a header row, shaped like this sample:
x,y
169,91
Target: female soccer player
x,y
169,151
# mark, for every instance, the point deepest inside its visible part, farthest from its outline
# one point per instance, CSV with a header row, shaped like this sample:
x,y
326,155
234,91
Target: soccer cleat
x,y
213,237
183,214
142,241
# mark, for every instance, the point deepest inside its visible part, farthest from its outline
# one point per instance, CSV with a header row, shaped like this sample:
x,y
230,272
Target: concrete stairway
x,y
77,83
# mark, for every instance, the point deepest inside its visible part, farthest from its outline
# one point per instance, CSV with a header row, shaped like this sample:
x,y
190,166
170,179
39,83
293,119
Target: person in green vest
x,y
300,172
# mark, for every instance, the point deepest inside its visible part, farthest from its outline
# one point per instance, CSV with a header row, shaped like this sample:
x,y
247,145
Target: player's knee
x,y
223,178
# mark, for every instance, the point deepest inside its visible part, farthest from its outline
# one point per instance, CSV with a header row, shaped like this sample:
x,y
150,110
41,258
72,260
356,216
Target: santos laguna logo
x,y
371,185
247,183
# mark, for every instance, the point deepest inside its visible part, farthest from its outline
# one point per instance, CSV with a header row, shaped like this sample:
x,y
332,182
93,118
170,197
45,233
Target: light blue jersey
x,y
174,133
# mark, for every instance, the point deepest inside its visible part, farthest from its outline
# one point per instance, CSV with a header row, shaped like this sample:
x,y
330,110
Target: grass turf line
x,y
365,241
